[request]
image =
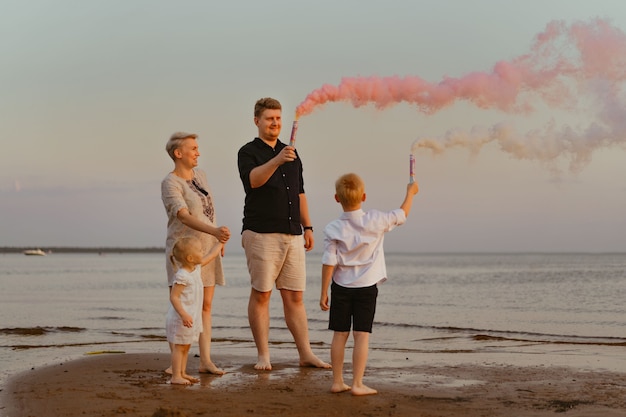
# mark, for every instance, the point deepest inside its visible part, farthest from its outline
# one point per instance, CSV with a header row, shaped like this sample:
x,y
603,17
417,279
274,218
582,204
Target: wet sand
x,y
134,384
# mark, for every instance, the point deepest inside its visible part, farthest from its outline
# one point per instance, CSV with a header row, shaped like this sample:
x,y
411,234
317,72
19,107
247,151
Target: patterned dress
x,y
196,197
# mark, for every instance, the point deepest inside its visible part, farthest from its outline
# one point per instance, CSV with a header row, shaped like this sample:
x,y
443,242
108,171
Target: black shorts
x,y
355,306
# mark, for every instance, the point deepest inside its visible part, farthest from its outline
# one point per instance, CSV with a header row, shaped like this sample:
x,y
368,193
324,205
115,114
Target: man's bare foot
x,y
211,369
363,390
191,379
263,363
314,362
168,370
180,381
339,387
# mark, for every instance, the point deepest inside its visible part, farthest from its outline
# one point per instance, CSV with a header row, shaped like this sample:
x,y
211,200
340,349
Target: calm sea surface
x,y
62,306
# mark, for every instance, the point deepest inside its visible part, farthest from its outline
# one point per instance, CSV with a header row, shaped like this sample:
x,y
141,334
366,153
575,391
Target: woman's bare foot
x,y
191,379
313,361
180,381
339,387
168,370
211,369
263,364
363,390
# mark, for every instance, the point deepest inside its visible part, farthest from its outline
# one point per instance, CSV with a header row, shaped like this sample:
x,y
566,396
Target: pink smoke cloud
x,y
567,64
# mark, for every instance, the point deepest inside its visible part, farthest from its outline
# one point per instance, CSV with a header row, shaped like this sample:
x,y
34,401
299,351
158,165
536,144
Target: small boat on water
x,y
35,252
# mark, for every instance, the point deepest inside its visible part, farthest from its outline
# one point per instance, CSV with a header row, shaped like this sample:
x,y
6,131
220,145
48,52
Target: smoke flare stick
x,y
294,129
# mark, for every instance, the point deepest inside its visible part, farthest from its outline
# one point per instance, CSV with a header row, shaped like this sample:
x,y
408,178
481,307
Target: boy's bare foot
x,y
339,387
168,370
211,369
314,362
263,364
363,390
180,381
191,379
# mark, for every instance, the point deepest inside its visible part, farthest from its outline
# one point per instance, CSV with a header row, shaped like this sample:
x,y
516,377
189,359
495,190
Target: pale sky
x,y
91,91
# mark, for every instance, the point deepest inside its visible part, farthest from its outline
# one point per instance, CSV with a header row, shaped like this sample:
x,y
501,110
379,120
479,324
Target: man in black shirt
x,y
275,214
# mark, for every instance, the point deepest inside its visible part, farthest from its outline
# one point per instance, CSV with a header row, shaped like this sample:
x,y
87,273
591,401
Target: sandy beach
x,y
111,384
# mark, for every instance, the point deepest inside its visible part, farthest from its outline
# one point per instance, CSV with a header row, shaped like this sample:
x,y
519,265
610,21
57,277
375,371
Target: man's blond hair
x,y
349,189
265,103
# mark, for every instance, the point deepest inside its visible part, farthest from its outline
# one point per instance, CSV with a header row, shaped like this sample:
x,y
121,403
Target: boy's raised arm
x,y
411,189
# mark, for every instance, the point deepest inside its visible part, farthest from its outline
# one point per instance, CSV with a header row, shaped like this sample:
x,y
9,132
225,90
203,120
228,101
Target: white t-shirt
x,y
191,300
353,243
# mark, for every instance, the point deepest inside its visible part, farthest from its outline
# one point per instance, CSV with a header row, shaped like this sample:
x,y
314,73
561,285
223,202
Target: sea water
x,y
61,306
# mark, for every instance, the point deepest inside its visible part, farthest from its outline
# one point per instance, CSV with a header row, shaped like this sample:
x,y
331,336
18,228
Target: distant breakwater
x,y
76,249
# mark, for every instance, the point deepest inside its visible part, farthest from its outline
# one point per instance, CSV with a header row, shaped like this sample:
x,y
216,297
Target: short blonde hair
x,y
175,142
265,103
181,249
349,189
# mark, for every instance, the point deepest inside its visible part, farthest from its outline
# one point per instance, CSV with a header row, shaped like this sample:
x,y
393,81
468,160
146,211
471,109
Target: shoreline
x,y
135,384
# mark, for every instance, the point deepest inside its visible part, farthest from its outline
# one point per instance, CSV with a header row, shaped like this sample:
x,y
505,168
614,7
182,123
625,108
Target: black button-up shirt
x,y
273,207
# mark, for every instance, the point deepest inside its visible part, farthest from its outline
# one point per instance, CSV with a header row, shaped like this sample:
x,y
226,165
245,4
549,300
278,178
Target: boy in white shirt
x,y
355,262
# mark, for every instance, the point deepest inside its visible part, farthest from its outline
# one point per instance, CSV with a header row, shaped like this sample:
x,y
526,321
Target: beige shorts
x,y
275,258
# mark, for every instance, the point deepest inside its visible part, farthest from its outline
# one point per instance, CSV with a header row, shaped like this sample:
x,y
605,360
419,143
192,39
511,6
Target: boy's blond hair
x,y
349,189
